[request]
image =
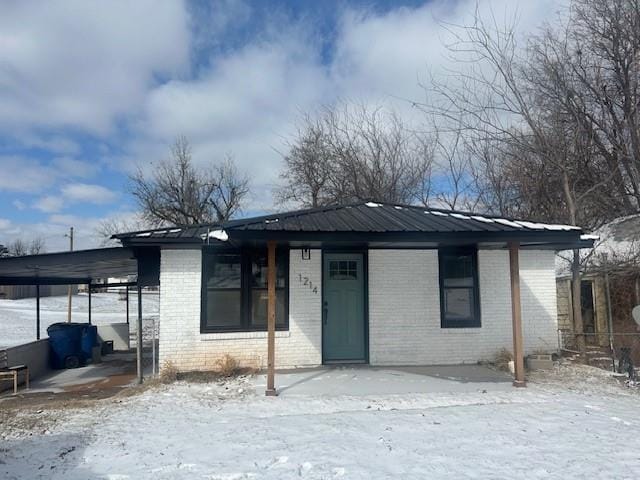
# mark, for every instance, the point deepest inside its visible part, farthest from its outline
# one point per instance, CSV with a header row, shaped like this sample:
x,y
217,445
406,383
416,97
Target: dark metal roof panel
x,y
79,266
369,217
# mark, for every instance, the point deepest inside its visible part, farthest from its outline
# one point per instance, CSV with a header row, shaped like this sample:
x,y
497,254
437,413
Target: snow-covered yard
x,y
571,424
18,317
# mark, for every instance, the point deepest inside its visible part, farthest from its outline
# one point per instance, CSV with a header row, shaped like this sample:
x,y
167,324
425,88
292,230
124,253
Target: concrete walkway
x,y
365,380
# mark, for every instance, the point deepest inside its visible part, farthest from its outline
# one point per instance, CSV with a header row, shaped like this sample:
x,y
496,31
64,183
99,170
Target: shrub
x,y
168,372
502,358
228,366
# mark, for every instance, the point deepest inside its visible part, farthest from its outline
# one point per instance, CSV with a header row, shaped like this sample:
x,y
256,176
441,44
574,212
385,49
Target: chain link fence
x,y
618,352
150,336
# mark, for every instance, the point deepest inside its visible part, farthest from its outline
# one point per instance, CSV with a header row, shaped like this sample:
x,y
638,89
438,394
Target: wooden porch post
x,y
516,315
89,301
271,317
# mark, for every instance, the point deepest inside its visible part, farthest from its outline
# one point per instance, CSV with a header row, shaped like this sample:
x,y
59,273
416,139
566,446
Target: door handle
x,y
325,312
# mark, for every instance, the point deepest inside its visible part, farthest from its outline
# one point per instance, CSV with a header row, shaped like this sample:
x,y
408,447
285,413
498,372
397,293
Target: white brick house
x,y
364,283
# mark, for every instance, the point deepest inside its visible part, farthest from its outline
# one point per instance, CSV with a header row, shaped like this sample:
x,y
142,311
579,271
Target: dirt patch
x,y
76,396
214,376
576,377
38,413
106,384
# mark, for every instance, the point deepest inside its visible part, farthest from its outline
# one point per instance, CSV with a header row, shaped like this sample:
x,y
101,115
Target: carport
x,y
86,267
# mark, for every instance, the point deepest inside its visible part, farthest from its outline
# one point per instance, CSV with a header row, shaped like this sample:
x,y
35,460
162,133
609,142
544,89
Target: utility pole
x,y
70,291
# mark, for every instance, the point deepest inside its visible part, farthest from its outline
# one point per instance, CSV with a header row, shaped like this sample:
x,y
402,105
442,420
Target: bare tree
x,y
126,223
456,187
535,115
37,246
179,193
350,153
18,248
307,167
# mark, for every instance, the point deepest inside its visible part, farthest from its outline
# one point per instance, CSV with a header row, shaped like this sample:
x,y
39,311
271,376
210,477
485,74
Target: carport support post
x,y
139,336
516,315
271,318
89,307
38,311
127,300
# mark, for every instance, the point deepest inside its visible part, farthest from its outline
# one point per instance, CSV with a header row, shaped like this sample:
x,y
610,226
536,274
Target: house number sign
x,y
305,281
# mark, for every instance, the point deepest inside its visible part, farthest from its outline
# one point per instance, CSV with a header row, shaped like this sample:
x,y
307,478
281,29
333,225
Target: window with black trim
x,y
459,293
234,290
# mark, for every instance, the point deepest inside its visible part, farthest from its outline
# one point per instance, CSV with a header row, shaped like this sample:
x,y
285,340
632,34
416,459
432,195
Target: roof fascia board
x,y
44,281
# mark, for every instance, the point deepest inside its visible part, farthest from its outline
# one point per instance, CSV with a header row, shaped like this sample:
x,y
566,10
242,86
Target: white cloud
x,y
94,68
248,100
67,220
58,144
53,231
242,105
84,192
4,224
20,205
84,64
22,174
72,167
49,204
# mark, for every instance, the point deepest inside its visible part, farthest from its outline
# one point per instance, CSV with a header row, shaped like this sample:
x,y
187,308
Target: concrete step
x,y
600,352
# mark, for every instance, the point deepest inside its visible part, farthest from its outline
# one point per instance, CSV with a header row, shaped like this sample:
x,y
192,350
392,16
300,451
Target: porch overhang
x,y
82,267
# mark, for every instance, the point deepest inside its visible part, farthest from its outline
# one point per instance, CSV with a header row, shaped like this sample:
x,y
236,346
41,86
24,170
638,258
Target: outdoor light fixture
x,y
306,254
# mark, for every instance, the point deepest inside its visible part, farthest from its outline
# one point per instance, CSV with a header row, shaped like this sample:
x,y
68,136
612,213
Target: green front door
x,y
343,312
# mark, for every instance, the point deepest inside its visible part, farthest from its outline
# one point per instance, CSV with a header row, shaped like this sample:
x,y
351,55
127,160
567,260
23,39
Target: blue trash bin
x,y
65,344
88,341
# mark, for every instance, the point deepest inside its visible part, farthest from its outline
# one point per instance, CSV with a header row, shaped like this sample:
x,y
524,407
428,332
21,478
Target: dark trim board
x,y
448,238
44,281
365,272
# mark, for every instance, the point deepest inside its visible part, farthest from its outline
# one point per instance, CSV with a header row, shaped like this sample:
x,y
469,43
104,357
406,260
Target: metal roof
x,y
364,222
79,267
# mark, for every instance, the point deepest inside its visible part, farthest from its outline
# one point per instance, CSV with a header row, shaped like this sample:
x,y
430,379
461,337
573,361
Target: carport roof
x,y
79,267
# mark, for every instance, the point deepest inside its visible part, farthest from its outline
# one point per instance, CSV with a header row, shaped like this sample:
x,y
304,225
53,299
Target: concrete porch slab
x,y
366,380
116,370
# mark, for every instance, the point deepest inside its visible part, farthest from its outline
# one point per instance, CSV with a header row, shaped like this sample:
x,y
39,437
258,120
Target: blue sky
x,y
90,91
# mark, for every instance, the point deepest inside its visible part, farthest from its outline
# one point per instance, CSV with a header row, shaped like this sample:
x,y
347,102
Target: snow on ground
x,y
228,431
18,317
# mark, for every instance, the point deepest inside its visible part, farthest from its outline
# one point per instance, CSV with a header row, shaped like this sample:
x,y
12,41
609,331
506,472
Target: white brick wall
x,y
404,312
404,308
539,300
182,343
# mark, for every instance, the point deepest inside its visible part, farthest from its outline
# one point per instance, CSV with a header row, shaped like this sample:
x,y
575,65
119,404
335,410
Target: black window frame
x,y
246,255
475,321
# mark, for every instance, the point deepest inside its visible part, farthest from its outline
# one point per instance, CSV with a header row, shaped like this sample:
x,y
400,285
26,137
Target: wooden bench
x,y
11,372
